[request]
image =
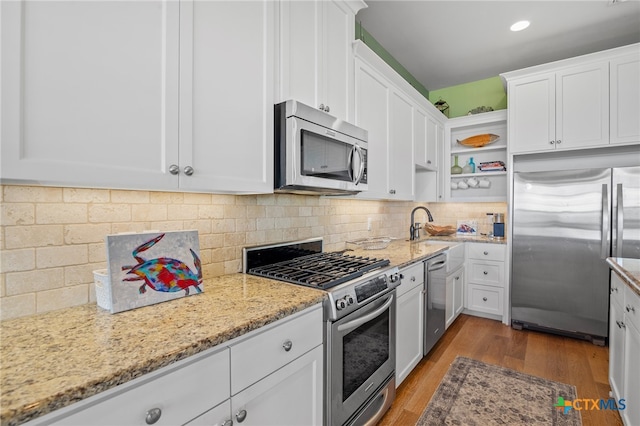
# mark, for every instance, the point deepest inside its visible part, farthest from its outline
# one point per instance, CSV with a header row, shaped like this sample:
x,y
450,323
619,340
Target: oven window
x,y
365,349
324,157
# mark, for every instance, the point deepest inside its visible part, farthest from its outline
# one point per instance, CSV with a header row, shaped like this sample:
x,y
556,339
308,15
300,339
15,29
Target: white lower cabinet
x,y
291,395
409,321
485,280
624,349
454,285
277,372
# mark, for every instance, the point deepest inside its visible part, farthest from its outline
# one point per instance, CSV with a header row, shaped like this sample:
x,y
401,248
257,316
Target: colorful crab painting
x,y
164,274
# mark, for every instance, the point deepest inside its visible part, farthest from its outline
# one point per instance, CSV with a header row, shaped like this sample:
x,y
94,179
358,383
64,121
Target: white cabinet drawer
x,y
412,276
631,306
485,299
486,251
265,352
488,273
180,392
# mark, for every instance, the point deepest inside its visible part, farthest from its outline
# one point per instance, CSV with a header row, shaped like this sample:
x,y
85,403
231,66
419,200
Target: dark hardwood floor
x,y
562,359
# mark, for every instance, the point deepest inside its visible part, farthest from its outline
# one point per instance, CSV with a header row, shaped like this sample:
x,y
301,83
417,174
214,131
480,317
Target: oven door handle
x,y
347,327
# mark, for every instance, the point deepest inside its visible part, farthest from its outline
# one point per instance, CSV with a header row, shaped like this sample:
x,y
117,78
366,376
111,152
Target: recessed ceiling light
x,y
520,25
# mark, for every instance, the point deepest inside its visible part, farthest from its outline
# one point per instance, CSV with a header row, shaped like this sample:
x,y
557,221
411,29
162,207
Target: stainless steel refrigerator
x,y
565,224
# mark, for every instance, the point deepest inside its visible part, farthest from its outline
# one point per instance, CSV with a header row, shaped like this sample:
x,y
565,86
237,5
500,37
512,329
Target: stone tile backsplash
x,y
51,239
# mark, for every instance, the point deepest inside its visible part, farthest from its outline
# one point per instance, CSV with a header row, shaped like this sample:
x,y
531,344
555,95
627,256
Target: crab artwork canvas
x,y
152,267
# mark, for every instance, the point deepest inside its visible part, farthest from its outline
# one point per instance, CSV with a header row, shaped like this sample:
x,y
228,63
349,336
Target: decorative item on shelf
x,y
479,110
436,230
492,166
472,165
478,141
467,168
455,169
443,107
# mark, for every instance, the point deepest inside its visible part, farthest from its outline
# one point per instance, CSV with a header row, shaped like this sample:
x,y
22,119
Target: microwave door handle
x,y
361,171
350,163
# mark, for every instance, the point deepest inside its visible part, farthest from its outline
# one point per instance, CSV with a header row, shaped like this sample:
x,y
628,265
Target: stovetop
x,y
305,263
320,270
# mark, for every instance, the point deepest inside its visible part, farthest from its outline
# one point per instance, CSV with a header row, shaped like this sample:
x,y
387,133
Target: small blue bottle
x,y
472,164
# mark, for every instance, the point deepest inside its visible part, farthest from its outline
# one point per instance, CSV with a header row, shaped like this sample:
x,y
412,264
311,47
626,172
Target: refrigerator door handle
x,y
617,249
605,221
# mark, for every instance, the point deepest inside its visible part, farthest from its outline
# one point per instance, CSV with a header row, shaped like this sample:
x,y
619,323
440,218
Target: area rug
x,y
474,393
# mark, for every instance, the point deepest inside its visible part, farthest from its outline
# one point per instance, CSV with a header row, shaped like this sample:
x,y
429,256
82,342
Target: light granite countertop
x,y
628,270
51,360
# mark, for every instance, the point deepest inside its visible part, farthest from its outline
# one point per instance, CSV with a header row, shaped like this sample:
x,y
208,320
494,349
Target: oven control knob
x,y
341,304
349,299
394,278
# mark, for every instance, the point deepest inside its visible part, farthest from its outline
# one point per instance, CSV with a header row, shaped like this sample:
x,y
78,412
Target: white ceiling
x,y
446,43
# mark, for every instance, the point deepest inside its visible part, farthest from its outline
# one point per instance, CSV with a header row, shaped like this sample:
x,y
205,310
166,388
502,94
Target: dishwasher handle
x,y
436,264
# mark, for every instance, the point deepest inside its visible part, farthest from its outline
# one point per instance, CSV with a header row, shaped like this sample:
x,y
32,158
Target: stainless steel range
x,y
359,322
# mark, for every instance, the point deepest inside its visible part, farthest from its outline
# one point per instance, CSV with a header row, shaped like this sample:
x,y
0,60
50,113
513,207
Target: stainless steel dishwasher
x,y
434,306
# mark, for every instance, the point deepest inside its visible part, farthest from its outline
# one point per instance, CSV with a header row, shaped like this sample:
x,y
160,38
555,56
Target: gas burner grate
x,y
320,270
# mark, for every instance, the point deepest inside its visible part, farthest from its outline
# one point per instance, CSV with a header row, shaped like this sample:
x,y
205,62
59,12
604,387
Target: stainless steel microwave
x,y
316,153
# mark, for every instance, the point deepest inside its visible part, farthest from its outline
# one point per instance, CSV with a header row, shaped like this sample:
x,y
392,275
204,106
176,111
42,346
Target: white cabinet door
x,y
428,133
226,95
631,392
316,58
400,148
90,93
409,331
455,296
616,347
372,112
582,106
292,395
532,122
338,26
625,99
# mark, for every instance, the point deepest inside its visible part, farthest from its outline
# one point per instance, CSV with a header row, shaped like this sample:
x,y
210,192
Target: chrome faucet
x,y
414,229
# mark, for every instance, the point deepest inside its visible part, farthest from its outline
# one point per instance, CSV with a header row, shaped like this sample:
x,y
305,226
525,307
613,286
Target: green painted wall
x,y
362,34
461,98
465,97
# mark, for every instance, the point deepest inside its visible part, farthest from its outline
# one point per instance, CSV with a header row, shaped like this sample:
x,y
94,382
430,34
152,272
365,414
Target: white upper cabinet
x,y
160,95
584,102
226,95
428,139
625,99
400,149
372,113
405,132
316,58
567,109
582,106
90,93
